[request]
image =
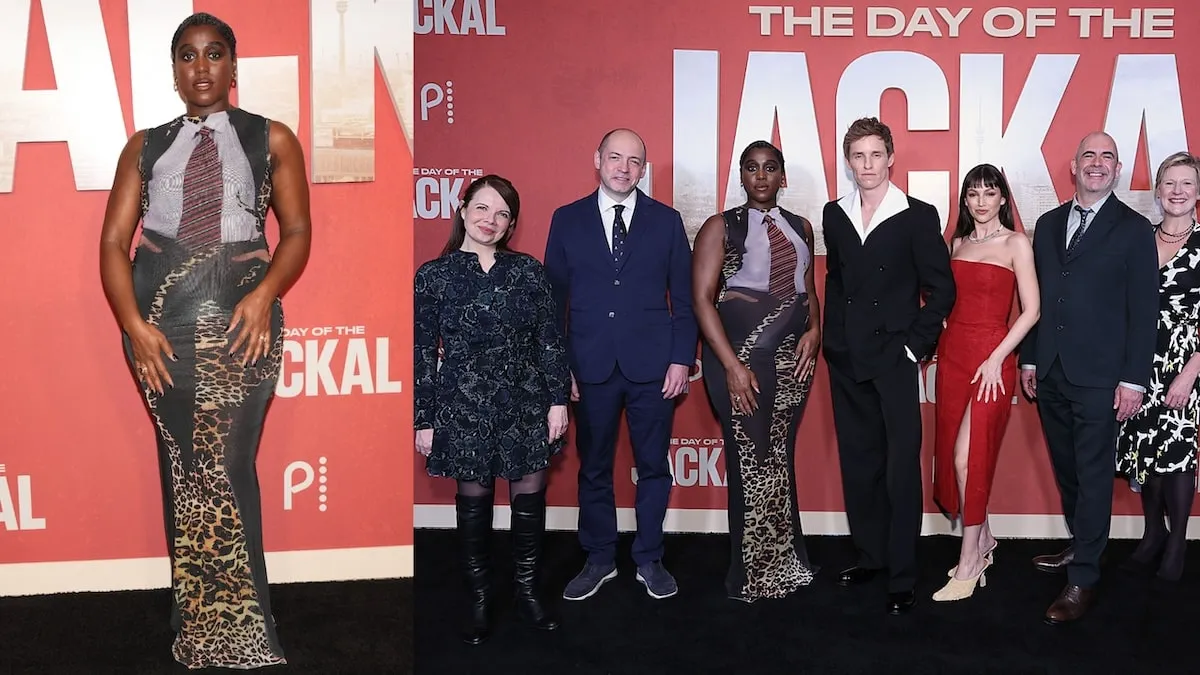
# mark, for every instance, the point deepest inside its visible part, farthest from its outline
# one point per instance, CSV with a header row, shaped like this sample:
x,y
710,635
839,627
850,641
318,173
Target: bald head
x,y
622,136
1097,140
1095,167
621,161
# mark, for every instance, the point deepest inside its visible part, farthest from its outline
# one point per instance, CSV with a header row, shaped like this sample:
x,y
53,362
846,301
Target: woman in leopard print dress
x,y
752,266
203,330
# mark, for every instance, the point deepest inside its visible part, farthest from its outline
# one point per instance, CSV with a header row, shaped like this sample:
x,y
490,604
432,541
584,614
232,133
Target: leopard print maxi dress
x,y
768,555
208,425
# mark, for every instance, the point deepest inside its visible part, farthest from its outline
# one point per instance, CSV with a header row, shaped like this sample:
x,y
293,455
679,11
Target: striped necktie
x,y
203,192
782,284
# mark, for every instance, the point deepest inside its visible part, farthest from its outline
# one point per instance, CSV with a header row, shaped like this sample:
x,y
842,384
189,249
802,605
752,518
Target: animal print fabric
x,y
768,555
208,427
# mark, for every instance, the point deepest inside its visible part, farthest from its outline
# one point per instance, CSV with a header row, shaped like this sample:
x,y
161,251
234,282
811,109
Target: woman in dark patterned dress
x,y
1156,448
753,282
496,405
203,331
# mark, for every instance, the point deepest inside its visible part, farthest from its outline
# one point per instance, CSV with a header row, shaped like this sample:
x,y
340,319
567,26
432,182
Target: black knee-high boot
x,y
528,527
474,535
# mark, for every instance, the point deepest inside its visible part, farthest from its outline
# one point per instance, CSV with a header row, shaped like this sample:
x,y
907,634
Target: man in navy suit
x,y
620,269
1089,359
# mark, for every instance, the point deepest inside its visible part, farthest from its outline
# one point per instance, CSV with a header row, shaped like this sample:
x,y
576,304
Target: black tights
x,y
525,485
1172,494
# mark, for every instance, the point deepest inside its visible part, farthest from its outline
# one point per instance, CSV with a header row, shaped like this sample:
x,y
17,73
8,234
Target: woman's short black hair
x,y
205,19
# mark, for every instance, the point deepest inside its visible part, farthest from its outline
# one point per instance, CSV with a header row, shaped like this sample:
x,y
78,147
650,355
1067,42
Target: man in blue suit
x,y
1089,358
621,272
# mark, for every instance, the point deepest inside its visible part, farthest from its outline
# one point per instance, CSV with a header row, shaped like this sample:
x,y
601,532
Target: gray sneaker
x,y
658,581
587,582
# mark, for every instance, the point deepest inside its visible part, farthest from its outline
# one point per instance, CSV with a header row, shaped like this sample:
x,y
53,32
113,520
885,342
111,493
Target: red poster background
x,y
73,420
532,104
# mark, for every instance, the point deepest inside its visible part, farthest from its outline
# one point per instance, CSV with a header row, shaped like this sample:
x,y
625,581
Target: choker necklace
x,y
979,240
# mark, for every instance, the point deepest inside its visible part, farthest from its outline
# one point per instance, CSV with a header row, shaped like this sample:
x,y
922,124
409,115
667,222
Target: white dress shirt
x,y
894,201
608,214
1074,219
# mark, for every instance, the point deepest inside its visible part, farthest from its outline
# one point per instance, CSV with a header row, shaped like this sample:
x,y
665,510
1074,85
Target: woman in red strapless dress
x,y
976,368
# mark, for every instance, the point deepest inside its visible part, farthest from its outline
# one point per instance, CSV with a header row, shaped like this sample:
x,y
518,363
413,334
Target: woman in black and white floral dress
x,y
1156,448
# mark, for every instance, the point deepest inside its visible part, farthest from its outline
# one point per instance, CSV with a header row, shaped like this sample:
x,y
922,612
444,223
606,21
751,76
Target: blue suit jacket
x,y
1099,302
637,315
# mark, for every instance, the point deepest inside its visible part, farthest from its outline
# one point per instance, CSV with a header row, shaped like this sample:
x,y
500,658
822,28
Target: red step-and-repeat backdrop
x,y
79,488
526,88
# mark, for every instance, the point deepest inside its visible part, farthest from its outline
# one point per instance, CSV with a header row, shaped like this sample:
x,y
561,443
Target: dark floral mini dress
x,y
489,363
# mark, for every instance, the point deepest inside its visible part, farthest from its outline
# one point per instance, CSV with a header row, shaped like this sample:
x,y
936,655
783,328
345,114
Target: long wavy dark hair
x,y
983,176
458,228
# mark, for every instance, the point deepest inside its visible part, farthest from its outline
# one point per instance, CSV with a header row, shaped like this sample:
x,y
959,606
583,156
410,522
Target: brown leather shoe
x,y
1056,563
1071,604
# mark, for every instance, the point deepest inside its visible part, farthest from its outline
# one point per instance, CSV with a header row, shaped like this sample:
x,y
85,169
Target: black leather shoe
x,y
855,576
528,526
900,603
474,534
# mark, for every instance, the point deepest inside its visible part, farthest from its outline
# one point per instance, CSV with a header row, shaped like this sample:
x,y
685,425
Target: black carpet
x,y
1138,626
355,628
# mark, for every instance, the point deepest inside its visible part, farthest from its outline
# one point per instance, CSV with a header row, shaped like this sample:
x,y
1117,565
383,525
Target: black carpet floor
x,y
1137,627
360,627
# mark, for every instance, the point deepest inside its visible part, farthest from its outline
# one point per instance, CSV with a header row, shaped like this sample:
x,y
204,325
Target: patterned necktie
x,y
203,192
1083,223
618,234
782,284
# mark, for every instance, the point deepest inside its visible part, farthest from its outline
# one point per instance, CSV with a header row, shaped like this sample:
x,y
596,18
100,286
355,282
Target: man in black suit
x,y
883,249
1089,358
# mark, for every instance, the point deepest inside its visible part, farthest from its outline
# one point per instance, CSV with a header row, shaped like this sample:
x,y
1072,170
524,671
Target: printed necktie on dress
x,y
203,192
782,282
618,234
1083,223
